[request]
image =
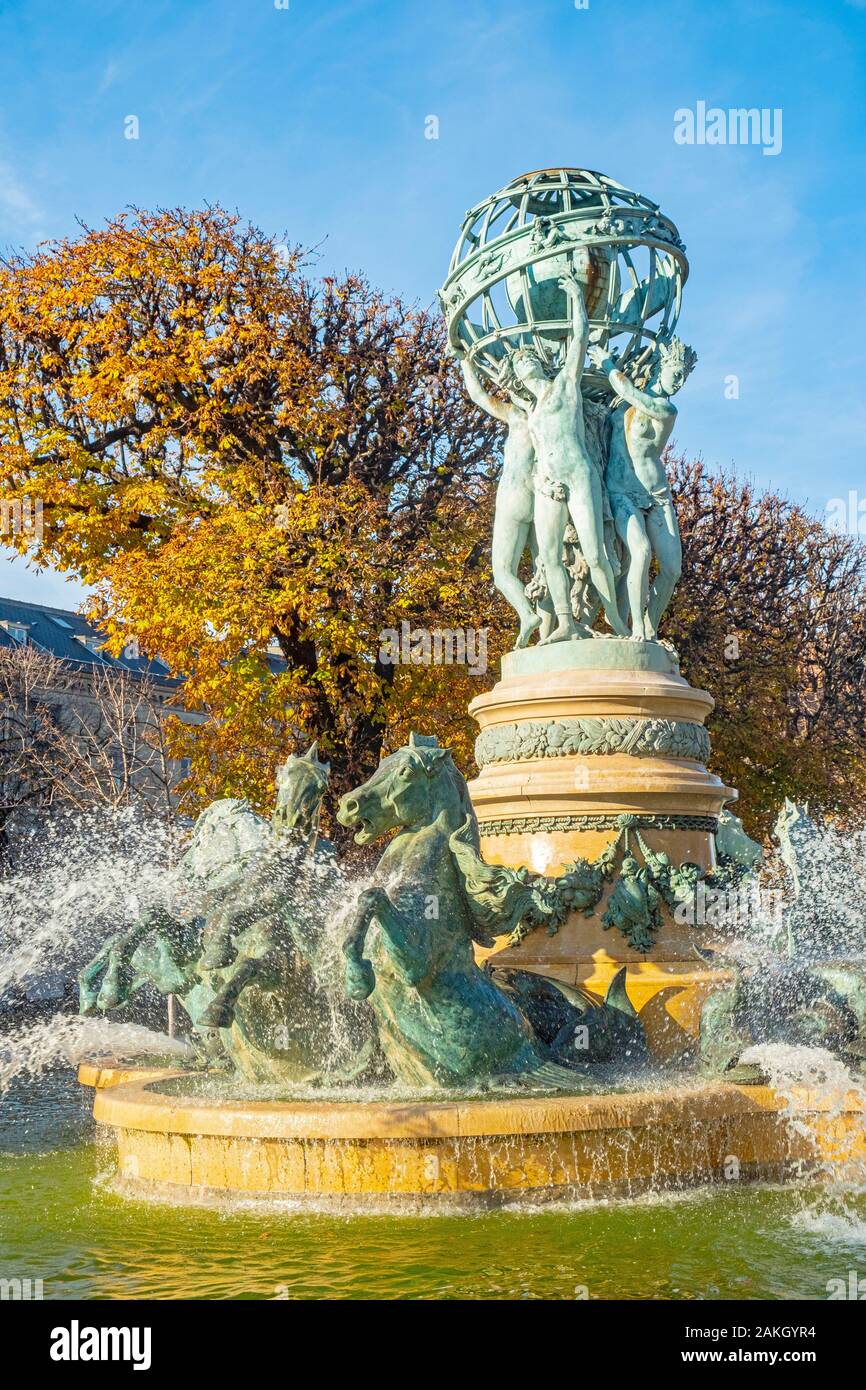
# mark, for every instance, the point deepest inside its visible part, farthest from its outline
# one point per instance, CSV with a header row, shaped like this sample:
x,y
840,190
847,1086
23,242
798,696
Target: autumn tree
x,y
260,473
28,721
80,737
770,617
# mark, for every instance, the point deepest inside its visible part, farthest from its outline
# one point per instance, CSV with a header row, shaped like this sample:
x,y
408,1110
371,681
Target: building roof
x,y
62,632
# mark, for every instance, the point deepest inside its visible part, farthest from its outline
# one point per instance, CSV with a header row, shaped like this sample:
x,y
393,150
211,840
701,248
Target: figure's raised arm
x,y
657,407
574,358
500,410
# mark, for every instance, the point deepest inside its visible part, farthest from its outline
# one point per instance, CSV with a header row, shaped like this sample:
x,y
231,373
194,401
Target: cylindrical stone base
x,y
574,738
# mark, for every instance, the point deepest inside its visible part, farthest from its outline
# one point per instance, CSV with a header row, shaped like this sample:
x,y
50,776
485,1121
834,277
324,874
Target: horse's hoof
x,y
112,991
217,1015
360,979
218,957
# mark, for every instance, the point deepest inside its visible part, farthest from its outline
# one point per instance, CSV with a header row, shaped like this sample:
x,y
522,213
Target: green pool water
x,y
58,1223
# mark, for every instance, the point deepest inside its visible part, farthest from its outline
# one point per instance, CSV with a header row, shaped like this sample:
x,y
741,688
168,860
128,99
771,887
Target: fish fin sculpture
x,y
617,995
574,1025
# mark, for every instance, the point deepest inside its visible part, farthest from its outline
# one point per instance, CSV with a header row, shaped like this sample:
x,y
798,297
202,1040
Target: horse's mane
x,y
458,782
438,761
498,898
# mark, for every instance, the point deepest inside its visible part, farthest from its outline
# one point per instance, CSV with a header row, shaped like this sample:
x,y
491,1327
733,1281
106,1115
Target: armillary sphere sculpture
x,y
503,282
561,302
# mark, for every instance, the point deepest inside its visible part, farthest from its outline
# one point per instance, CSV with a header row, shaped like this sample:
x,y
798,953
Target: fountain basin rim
x,y
110,1071
142,1106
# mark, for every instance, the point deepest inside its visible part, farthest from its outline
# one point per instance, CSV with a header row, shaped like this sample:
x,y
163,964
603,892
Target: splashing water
x,y
806,900
80,879
825,913
75,881
810,1079
71,1039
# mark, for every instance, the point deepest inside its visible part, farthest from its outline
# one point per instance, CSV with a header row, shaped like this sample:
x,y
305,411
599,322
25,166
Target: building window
x,y
17,630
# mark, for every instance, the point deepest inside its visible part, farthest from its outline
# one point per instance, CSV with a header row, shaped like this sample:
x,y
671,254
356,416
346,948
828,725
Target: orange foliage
x,y
259,473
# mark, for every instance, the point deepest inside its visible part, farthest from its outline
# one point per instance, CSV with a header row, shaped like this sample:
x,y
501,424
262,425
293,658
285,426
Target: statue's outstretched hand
x,y
599,357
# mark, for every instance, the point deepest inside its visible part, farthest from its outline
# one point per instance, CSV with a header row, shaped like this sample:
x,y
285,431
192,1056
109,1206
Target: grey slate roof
x,y
58,630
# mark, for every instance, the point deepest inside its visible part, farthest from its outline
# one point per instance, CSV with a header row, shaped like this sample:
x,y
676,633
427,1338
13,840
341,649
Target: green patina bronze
x,y
564,341
442,1019
602,653
786,995
277,989
641,888
822,1006
248,944
734,847
243,945
286,970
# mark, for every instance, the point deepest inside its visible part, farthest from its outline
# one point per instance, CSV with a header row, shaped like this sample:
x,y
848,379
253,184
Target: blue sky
x,y
310,120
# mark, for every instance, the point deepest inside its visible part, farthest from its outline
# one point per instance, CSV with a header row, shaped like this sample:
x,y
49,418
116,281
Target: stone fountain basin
x,y
492,1151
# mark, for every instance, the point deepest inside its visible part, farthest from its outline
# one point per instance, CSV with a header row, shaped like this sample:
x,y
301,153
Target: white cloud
x,y
21,218
110,74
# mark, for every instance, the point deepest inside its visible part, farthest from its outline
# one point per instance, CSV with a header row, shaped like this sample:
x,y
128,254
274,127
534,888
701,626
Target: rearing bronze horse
x,y
442,1019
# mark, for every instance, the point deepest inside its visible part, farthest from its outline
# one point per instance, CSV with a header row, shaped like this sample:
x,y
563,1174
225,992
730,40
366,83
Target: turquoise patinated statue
x,y
288,974
164,948
637,481
563,460
792,993
786,1002
443,1020
249,940
583,487
242,943
634,906
736,849
514,522
532,512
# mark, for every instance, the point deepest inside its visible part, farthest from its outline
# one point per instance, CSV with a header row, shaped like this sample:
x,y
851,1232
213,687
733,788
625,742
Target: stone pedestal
x,y
574,737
